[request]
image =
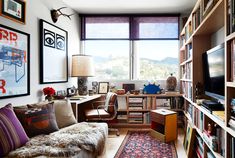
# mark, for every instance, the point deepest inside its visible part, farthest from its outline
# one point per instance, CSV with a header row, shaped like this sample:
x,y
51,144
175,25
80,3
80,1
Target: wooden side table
x,y
164,124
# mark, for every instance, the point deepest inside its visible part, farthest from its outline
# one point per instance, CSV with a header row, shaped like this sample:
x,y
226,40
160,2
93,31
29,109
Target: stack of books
x,y
232,118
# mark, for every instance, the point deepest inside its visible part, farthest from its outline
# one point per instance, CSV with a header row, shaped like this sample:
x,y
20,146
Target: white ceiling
x,y
131,6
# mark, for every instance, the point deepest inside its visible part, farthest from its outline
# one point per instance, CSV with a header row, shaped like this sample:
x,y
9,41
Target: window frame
x,y
131,39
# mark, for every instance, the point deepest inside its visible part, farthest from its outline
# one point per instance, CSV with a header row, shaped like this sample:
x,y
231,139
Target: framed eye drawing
x,y
103,87
53,53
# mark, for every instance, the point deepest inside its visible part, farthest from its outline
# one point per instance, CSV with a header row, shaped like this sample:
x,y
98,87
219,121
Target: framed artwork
x,y
13,9
189,139
128,87
14,63
103,87
53,53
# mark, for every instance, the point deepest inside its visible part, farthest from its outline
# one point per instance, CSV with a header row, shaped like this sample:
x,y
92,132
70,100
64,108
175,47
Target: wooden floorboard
x,y
114,142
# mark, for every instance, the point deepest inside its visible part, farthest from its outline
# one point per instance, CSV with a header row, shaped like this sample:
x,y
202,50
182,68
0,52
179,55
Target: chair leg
x,y
115,130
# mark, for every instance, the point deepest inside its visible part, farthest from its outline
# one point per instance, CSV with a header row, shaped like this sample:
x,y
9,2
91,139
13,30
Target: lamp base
x,y
82,85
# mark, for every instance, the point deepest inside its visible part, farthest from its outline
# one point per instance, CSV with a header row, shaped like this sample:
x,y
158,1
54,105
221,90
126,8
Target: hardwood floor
x,y
114,142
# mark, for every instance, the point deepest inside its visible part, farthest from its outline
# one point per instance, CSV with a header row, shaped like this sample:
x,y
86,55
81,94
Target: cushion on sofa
x,y
37,119
63,113
12,134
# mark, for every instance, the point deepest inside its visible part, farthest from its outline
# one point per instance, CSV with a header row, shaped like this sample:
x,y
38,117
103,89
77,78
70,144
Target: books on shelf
x,y
219,114
231,16
233,60
232,148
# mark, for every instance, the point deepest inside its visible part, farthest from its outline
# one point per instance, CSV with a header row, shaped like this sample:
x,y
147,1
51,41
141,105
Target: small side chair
x,y
104,110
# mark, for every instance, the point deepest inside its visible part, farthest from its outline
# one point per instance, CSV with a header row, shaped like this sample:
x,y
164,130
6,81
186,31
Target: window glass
x,y
111,58
156,59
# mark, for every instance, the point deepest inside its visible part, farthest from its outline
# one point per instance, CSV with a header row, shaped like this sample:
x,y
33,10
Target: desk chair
x,y
105,111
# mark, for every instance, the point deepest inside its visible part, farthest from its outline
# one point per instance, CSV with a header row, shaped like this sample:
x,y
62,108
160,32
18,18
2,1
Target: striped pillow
x,y
12,134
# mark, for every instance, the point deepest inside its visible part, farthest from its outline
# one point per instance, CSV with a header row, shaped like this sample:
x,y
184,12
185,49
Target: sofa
x,y
48,129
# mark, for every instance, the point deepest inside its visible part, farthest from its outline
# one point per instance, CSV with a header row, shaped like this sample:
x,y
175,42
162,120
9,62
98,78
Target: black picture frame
x,y
14,10
53,53
103,87
14,63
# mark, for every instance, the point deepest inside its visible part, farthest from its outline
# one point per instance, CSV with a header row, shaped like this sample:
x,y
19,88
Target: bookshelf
x,y
208,17
134,110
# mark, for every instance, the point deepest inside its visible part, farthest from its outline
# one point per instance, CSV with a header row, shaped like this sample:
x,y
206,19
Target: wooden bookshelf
x,y
215,19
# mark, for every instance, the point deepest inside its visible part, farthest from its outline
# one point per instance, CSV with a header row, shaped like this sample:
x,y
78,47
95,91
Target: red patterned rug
x,y
140,144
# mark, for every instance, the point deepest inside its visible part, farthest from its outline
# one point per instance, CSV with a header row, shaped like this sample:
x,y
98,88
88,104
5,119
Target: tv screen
x,y
214,71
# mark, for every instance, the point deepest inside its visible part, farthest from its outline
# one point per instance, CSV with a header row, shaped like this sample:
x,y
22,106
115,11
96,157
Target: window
x,y
132,47
156,59
111,58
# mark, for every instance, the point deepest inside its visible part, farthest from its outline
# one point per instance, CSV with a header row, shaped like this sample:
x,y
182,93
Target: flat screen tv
x,y
214,72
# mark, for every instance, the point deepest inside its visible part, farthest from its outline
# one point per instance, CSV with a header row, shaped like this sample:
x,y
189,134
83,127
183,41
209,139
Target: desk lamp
x,y
82,67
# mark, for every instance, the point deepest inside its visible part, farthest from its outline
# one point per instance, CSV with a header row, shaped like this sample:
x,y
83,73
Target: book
x,y
219,114
233,60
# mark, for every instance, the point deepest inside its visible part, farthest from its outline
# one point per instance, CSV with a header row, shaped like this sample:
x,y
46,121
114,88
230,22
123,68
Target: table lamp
x,y
82,67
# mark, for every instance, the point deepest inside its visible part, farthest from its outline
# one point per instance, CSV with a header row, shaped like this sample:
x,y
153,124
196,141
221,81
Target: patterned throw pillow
x,y
12,134
38,119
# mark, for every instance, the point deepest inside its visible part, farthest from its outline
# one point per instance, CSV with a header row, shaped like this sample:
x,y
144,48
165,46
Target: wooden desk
x,y
81,103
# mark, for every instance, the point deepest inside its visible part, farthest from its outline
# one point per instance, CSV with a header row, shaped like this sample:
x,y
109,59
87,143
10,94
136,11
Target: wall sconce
x,y
55,13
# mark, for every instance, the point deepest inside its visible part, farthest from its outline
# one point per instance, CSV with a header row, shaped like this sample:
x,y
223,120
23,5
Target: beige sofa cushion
x,y
64,113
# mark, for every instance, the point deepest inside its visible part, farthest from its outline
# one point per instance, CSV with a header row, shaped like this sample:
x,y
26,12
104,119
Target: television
x,y
214,72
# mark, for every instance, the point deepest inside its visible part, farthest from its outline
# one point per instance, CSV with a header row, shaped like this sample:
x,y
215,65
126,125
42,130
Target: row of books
x,y
232,112
215,139
197,18
199,147
232,145
187,89
187,71
231,17
197,117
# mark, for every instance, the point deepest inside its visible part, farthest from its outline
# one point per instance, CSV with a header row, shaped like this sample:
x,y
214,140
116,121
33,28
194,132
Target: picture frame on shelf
x,y
128,87
14,10
71,91
53,53
103,87
189,139
14,63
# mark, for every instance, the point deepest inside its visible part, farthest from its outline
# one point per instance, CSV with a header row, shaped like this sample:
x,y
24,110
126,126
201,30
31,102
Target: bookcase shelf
x,y
199,31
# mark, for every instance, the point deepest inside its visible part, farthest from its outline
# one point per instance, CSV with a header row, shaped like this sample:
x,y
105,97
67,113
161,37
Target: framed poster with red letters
x,y
14,62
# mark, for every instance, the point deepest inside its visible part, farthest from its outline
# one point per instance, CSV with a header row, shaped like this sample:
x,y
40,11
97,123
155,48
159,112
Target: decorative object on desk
x,y
128,87
112,88
103,87
135,92
53,53
90,92
82,67
15,63
171,83
71,91
61,94
49,92
55,13
95,86
120,91
13,10
152,89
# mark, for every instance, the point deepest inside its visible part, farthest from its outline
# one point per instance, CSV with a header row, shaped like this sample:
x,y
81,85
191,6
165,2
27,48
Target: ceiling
x,y
131,6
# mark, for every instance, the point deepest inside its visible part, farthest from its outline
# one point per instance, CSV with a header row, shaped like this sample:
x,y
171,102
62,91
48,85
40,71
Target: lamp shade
x,y
82,66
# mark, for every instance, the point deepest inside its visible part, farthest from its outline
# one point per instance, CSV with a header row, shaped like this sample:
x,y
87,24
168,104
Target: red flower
x,y
48,91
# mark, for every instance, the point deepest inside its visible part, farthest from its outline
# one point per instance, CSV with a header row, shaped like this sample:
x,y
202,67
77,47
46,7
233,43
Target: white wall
x,y
35,10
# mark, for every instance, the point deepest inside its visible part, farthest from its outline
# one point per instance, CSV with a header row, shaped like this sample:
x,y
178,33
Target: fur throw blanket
x,y
67,142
